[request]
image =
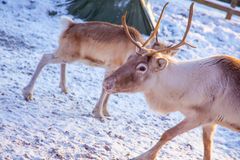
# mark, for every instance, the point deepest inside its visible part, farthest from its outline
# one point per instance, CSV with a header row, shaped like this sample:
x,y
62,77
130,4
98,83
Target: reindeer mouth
x,y
110,91
118,90
109,85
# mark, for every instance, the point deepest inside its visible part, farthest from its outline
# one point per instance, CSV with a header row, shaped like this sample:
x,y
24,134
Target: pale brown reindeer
x,y
205,91
94,43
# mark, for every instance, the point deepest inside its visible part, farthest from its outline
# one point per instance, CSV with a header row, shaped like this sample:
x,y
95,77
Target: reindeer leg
x,y
46,59
100,109
62,84
208,132
105,110
184,126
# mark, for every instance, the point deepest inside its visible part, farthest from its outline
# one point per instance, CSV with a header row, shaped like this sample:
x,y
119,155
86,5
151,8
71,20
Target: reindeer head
x,y
142,67
134,74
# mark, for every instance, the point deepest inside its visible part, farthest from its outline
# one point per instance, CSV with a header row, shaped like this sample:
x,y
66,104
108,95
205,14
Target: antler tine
x,y
154,33
156,37
127,32
183,41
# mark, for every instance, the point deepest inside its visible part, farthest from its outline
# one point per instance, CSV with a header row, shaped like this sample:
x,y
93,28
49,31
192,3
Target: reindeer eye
x,y
141,67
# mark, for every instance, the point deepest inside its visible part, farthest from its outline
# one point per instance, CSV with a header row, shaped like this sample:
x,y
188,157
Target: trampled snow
x,y
59,126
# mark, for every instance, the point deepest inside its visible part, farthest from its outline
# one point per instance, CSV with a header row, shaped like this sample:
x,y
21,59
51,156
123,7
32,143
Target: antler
x,y
138,44
154,33
157,37
183,41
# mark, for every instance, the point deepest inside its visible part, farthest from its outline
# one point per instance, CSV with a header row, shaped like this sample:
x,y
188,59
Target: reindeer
x,y
205,91
98,44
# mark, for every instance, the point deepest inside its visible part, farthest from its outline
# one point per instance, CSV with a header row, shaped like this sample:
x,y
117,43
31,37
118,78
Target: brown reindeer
x,y
98,44
205,91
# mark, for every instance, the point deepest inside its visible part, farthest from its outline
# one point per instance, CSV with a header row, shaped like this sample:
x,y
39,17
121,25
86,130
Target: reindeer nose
x,y
109,83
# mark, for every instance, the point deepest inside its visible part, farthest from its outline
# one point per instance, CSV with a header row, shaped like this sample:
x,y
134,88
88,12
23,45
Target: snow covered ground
x,y
59,126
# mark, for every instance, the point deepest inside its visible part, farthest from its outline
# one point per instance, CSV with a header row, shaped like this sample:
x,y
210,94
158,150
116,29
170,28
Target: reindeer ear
x,y
162,63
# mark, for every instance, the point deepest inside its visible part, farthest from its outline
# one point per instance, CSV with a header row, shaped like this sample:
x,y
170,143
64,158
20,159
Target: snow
x,y
59,126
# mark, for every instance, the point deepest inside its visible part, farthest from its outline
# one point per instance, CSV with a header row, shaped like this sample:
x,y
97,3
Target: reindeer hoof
x,y
63,88
27,94
106,114
65,91
98,115
101,119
